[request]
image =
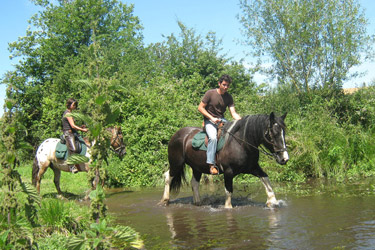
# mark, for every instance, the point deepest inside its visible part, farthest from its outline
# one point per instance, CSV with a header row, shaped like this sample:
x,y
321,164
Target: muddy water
x,y
314,216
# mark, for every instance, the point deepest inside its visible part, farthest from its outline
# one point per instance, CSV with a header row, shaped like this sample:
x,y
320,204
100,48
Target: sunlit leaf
x,y
31,191
77,159
75,243
9,104
100,100
112,117
95,130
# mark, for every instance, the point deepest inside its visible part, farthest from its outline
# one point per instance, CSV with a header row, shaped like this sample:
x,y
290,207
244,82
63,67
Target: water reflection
x,y
243,226
318,221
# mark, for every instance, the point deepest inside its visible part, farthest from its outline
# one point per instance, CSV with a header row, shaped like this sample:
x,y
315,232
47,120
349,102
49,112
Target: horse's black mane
x,y
251,127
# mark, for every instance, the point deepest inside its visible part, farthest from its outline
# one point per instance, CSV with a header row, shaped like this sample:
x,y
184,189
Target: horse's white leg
x,y
168,180
271,200
228,180
195,187
228,199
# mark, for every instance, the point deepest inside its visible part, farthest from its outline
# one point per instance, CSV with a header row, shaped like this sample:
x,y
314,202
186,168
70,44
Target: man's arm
x,y
202,109
234,114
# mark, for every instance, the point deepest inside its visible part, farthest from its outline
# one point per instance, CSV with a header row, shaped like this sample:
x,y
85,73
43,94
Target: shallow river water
x,y
313,216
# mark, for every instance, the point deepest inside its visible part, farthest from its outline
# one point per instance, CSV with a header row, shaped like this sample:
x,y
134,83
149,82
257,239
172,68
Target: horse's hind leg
x,y
165,199
56,179
38,178
195,187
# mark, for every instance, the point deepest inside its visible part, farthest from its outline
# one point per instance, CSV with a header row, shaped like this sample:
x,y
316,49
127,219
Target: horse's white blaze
x,y
195,187
228,199
271,200
285,153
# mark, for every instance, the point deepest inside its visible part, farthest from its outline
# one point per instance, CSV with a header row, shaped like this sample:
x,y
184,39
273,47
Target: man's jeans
x,y
211,130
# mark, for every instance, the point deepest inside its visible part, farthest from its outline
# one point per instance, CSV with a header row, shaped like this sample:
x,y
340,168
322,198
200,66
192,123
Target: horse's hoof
x,y
163,203
274,204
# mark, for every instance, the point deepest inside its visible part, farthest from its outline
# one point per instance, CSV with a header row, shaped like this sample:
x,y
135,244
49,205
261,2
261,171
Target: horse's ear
x,y
272,118
284,115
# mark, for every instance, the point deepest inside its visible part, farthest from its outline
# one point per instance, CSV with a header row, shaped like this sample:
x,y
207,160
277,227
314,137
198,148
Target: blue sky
x,y
159,17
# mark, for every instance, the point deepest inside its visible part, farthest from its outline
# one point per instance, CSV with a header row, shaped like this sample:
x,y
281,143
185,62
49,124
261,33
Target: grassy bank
x,y
59,221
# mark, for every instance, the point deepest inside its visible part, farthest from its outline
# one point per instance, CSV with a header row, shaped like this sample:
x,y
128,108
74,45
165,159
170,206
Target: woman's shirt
x,y
65,123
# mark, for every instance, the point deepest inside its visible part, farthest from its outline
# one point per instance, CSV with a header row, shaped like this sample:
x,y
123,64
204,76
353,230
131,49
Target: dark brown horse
x,y
239,155
45,157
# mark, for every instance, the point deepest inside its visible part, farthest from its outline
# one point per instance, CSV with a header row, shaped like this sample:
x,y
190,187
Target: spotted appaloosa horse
x,y
240,154
45,157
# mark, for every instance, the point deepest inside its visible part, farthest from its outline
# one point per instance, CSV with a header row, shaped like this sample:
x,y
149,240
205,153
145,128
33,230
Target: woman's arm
x,y
74,126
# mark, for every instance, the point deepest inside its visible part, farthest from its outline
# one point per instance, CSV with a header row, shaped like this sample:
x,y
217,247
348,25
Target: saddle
x,y
61,150
200,140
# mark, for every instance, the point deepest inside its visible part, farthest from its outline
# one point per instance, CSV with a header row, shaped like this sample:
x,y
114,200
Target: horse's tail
x,y
35,171
177,179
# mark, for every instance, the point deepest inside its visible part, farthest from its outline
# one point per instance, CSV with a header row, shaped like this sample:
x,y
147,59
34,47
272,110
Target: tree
x,y
55,52
311,44
19,234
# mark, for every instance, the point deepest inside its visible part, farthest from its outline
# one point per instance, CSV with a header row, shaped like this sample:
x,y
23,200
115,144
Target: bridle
x,y
118,149
268,132
260,148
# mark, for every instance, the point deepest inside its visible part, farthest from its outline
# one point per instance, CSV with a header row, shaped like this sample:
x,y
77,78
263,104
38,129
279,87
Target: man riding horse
x,y
213,106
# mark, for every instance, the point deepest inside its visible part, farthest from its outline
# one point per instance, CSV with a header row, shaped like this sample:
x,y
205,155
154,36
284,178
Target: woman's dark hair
x,y
70,101
226,78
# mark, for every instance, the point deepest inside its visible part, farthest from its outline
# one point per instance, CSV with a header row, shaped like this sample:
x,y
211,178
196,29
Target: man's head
x,y
224,83
225,78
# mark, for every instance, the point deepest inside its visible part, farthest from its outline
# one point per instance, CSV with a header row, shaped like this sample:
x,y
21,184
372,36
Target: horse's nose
x,y
284,158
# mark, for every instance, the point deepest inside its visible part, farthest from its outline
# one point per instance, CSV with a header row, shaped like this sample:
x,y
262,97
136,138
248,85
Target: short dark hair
x,y
225,78
70,101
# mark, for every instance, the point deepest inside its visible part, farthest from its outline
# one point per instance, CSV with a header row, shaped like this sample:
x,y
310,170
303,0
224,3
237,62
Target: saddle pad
x,y
62,150
198,142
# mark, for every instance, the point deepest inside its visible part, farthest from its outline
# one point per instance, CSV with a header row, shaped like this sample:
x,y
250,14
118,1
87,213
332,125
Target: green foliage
x,y
58,50
58,216
4,241
93,51
329,134
101,236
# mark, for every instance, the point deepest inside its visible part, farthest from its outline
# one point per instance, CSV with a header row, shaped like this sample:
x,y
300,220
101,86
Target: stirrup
x,y
73,169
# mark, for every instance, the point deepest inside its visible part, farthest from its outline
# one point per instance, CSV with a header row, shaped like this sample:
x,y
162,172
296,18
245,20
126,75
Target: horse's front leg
x,y
195,179
228,179
56,179
271,198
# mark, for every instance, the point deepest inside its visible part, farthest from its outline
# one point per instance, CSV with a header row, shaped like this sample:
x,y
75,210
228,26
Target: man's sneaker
x,y
73,169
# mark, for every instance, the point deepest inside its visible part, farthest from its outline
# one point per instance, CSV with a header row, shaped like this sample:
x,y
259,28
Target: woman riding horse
x,y
70,130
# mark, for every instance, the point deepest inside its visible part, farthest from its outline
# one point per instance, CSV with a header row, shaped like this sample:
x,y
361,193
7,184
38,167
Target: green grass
x,y
74,186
